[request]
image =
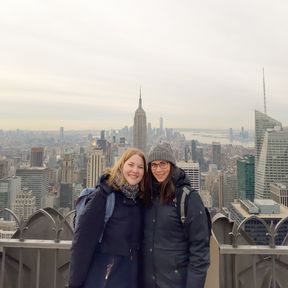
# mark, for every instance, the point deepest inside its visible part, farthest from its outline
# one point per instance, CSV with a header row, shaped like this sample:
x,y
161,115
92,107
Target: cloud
x,y
198,63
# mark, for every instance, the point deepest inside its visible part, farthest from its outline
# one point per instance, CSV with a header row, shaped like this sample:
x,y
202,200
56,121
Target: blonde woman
x,y
108,258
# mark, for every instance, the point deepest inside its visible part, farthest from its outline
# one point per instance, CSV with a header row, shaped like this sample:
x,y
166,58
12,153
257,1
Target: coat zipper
x,y
108,271
156,207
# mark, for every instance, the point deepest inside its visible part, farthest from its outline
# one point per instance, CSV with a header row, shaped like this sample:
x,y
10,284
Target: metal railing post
x,y
3,268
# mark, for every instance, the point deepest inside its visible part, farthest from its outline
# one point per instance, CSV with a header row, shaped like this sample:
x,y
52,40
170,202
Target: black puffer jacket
x,y
176,255
117,254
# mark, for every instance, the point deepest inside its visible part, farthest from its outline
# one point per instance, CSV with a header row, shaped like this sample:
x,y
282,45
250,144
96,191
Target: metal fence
x,y
240,262
38,255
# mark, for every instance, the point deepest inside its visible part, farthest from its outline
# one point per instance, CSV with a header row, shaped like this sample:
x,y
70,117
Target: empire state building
x,y
140,128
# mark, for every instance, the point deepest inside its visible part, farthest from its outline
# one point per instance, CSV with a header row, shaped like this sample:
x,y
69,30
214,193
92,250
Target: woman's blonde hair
x,y
116,170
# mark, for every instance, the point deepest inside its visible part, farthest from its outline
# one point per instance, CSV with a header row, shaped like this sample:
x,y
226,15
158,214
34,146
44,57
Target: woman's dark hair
x,y
167,187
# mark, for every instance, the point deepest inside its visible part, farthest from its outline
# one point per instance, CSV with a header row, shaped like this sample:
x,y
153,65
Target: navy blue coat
x,y
176,255
113,262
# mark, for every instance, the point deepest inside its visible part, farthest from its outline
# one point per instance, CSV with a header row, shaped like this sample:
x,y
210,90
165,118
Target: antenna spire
x,y
264,92
140,99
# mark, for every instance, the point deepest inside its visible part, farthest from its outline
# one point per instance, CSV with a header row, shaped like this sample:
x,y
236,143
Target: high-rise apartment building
x,y
95,165
246,177
35,179
192,170
216,154
36,159
140,128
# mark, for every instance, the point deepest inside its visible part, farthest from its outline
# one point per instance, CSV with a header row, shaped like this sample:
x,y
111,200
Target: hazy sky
x,y
80,64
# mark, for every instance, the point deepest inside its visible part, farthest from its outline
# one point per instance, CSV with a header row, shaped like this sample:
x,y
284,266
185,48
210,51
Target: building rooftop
x,y
283,210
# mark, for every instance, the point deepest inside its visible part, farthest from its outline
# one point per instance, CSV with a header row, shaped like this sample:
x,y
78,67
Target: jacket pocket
x,y
178,273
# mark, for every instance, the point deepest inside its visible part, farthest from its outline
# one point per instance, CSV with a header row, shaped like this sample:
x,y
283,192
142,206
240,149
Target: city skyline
x,y
199,65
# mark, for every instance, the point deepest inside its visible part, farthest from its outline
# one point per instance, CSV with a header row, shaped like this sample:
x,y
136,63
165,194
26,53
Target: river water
x,y
209,137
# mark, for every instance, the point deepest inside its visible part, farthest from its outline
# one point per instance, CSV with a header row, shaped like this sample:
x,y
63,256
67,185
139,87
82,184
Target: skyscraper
x,y
67,179
272,165
95,165
24,205
262,123
61,136
192,170
67,168
36,159
216,154
9,188
3,168
279,193
193,150
212,183
246,177
228,188
35,179
140,128
106,147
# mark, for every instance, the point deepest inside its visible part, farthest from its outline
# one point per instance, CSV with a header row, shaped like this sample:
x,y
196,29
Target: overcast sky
x,y
80,64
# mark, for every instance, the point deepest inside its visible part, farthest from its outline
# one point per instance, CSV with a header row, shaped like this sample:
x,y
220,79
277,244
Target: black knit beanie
x,y
162,151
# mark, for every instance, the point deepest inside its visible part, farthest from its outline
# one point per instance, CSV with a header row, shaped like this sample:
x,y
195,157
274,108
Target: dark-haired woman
x,y
175,254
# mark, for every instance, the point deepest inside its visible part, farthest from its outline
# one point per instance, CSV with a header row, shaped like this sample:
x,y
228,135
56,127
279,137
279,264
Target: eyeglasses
x,y
161,165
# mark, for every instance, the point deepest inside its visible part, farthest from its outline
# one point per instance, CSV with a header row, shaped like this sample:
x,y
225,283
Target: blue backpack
x,y
83,200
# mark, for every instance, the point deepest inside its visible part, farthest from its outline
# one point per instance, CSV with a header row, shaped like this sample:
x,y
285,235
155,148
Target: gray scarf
x,y
129,191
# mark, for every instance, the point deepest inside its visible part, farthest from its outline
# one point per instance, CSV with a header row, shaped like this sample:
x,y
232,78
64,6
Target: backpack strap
x,y
110,203
185,192
85,197
81,203
183,211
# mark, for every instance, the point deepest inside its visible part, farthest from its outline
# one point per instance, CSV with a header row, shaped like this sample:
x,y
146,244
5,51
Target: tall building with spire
x,y
262,123
272,165
271,142
140,128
